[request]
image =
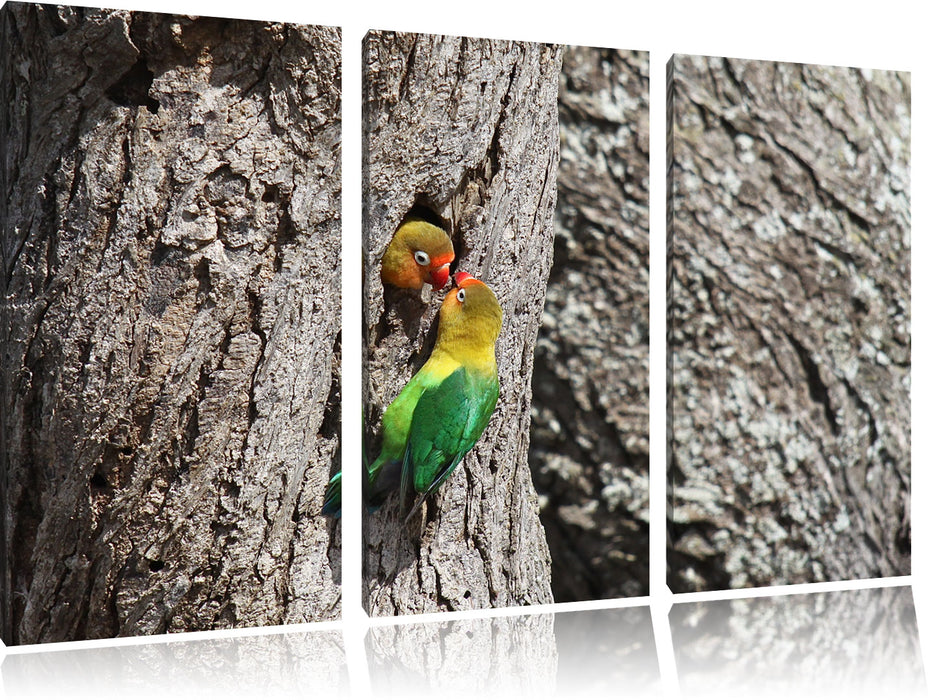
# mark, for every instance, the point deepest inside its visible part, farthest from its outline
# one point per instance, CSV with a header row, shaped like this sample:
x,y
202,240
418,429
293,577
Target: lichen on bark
x,y
788,323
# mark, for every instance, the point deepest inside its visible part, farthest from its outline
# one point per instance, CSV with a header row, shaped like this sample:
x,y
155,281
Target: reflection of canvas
x,y
788,323
465,134
170,322
851,643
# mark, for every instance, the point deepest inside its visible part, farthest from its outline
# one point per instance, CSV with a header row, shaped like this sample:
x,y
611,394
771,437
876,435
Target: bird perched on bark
x,y
419,253
445,407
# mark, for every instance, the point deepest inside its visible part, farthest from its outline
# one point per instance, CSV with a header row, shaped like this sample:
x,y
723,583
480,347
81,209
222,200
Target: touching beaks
x,y
440,277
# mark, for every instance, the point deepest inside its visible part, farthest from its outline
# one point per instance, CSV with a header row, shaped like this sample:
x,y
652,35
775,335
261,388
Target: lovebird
x,y
419,253
445,407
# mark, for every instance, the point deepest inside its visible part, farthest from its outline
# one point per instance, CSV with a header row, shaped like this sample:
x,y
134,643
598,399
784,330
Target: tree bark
x,y
469,129
789,323
170,324
590,452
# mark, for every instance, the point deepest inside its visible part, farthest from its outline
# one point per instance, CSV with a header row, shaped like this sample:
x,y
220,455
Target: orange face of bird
x,y
419,253
456,298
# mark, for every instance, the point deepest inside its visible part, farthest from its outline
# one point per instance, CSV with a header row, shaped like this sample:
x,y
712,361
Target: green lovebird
x,y
441,413
418,254
445,407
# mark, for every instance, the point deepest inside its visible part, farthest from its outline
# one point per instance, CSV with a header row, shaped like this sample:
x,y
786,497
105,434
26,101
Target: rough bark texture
x,y
789,323
590,442
841,644
468,128
508,656
170,322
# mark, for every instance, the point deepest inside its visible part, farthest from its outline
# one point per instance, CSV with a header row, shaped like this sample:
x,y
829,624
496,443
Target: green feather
x,y
447,421
383,474
332,504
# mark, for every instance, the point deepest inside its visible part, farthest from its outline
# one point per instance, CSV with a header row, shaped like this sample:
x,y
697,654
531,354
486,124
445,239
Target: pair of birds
x,y
445,407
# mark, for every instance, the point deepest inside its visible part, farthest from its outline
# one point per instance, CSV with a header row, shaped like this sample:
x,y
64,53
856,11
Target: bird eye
x,y
461,295
421,258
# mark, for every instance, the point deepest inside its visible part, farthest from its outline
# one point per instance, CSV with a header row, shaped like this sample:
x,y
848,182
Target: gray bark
x,y
170,322
789,323
468,128
590,441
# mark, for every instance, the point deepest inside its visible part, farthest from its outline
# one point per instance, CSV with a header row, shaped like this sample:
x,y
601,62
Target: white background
x,y
885,35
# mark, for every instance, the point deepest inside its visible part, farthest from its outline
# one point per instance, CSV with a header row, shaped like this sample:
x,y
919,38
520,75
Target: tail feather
x,y
416,506
332,504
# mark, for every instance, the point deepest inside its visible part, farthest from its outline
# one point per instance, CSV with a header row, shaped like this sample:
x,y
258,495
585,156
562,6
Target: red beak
x,y
460,278
440,277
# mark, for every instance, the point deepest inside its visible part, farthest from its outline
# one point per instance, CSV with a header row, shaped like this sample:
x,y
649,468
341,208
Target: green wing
x,y
332,504
383,474
447,421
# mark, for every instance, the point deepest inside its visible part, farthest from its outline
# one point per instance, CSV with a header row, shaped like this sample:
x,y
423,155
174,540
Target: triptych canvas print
x,y
171,336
